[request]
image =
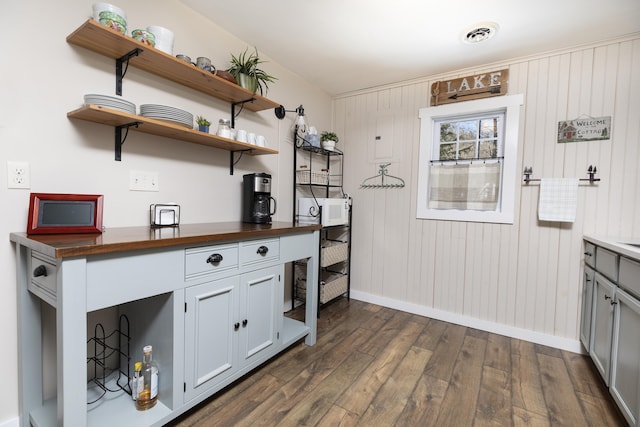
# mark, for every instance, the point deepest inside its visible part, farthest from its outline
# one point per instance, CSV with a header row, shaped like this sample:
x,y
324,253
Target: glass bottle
x,y
136,383
148,395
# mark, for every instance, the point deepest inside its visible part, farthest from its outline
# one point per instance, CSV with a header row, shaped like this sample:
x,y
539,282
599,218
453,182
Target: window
x,y
468,155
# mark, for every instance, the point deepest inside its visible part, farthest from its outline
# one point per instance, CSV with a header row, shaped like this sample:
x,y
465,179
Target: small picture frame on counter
x,y
51,213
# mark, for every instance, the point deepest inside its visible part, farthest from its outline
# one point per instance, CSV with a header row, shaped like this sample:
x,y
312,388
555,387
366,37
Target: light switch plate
x,y
143,181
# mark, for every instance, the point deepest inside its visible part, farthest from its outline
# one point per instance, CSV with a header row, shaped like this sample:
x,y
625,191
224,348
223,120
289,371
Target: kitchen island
x,y
208,297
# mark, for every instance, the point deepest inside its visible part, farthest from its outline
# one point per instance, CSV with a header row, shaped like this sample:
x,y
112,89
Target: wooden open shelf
x,y
107,116
101,39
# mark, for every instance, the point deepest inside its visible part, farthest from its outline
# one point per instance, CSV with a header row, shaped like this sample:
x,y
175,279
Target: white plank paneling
x,y
526,275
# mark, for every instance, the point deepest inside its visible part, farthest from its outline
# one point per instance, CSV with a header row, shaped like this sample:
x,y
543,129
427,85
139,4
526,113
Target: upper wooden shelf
x,y
107,116
101,39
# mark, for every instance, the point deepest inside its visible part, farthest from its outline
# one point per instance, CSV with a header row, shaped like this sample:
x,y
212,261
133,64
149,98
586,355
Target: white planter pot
x,y
328,145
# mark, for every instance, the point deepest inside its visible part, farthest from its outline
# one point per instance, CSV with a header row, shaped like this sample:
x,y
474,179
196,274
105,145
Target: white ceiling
x,y
347,45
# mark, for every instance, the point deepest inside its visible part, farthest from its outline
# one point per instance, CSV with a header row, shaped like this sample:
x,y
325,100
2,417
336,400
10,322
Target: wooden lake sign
x,y
484,85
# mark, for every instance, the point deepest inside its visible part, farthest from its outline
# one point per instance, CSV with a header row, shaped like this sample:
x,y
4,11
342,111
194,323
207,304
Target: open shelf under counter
x,y
293,330
107,116
96,37
116,410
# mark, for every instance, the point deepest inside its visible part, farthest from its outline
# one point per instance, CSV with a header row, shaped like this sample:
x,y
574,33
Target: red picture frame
x,y
51,213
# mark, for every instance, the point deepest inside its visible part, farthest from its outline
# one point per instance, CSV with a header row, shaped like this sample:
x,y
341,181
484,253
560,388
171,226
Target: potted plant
x,y
244,68
328,140
203,124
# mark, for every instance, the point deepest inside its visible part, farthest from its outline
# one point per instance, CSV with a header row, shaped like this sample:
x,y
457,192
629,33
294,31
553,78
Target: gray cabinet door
x,y
261,313
625,369
602,326
211,329
587,307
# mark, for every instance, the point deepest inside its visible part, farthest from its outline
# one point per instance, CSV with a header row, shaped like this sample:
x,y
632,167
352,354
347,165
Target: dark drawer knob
x,y
40,270
244,323
262,250
588,254
236,326
214,259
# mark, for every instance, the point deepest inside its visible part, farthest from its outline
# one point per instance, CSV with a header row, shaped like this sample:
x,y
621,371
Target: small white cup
x,y
241,136
261,141
251,138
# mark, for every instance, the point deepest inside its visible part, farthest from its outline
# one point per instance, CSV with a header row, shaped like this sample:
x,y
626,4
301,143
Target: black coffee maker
x,y
256,198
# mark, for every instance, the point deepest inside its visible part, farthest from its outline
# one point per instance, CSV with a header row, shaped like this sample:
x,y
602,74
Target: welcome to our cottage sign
x,y
585,129
485,85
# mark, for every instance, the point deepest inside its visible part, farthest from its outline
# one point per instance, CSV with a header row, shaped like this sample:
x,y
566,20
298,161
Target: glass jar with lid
x,y
224,128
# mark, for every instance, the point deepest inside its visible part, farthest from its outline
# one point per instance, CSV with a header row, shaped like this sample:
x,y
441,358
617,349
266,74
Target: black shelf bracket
x,y
119,139
232,162
120,72
233,111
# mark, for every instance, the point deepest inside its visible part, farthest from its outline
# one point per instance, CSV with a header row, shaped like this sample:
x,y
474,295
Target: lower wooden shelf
x,y
110,117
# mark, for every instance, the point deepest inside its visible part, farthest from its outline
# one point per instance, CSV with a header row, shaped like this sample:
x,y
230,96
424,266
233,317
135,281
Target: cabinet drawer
x,y
629,277
589,254
44,273
210,260
607,263
259,251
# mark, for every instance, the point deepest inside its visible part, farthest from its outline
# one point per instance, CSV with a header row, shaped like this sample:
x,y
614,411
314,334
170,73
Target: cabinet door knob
x,y
606,297
588,254
236,326
40,270
244,323
214,259
262,250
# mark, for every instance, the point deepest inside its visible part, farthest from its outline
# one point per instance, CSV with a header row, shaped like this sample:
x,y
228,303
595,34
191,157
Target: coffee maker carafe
x,y
256,198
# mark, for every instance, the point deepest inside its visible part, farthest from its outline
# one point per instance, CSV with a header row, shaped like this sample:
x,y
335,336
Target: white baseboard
x,y
561,343
15,422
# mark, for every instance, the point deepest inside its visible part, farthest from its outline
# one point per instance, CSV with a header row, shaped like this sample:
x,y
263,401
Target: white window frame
x,y
510,104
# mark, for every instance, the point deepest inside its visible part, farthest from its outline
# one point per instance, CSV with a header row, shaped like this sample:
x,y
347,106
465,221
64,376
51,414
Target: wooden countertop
x,y
137,238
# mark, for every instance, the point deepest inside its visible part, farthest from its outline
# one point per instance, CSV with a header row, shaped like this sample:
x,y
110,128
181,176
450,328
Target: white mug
x,y
251,138
241,136
261,141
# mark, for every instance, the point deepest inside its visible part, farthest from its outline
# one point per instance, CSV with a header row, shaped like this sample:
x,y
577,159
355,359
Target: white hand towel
x,y
558,199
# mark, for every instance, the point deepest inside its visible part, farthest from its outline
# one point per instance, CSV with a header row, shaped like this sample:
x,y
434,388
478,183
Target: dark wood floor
x,y
373,366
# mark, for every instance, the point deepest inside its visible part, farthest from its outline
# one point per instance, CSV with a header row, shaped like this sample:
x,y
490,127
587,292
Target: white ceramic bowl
x,y
107,7
164,38
111,16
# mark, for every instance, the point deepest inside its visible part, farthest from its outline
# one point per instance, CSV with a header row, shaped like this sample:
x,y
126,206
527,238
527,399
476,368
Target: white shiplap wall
x,y
523,279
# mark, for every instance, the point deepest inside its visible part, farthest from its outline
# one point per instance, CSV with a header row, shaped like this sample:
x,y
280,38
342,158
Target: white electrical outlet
x,y
18,175
143,181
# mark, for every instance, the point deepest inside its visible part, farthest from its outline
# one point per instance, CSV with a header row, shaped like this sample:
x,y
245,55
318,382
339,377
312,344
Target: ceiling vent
x,y
480,32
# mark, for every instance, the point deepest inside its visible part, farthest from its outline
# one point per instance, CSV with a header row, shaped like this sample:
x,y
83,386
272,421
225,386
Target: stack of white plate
x,y
170,114
113,102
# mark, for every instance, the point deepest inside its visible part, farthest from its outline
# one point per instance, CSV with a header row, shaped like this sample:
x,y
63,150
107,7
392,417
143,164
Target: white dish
x,y
110,102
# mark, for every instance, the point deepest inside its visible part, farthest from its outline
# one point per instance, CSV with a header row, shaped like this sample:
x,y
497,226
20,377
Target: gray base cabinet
x,y
587,305
625,374
231,324
612,315
602,323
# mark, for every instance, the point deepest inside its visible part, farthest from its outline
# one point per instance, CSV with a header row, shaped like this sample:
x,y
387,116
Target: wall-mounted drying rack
x,y
384,180
591,171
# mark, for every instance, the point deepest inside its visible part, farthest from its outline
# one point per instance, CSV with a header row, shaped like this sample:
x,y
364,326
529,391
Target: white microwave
x,y
334,211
